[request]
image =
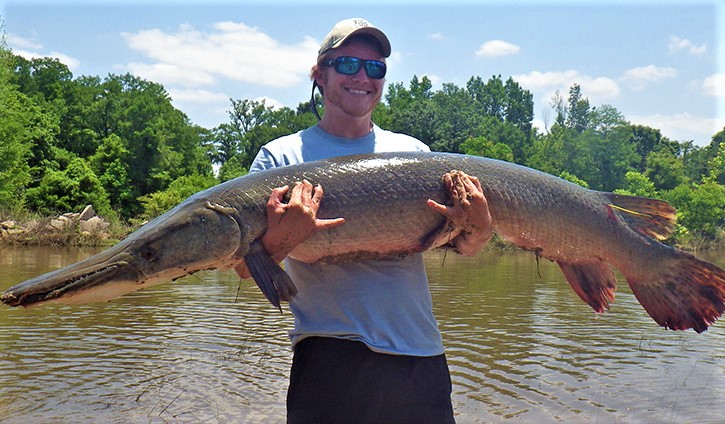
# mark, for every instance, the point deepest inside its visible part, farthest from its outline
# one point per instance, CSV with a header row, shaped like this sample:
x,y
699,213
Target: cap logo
x,y
361,23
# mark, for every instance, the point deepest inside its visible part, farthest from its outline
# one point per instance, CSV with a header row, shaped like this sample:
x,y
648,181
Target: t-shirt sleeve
x,y
264,160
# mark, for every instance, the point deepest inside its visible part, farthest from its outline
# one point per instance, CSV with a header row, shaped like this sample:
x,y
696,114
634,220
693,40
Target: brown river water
x,y
521,346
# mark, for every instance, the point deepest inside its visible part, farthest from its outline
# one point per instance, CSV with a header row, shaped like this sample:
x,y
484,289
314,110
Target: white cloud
x,y
437,36
435,80
171,74
15,41
395,59
30,49
638,78
194,58
197,96
71,62
714,85
682,126
204,107
497,48
270,102
677,44
545,84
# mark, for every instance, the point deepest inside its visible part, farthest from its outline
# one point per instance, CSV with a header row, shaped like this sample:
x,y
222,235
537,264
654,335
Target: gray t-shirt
x,y
384,303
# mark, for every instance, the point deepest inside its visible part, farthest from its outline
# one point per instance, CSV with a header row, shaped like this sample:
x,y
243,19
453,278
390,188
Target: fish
x,y
383,198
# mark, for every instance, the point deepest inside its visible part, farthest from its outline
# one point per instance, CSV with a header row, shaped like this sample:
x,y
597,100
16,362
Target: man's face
x,y
352,95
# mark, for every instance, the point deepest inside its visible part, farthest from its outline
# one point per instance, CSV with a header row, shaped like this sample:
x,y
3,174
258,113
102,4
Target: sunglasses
x,y
348,65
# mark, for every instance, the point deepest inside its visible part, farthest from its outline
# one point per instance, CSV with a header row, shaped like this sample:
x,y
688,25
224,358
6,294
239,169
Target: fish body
x,y
383,200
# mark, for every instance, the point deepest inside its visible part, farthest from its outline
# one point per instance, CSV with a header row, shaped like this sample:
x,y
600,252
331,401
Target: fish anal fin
x,y
685,292
274,281
649,217
594,282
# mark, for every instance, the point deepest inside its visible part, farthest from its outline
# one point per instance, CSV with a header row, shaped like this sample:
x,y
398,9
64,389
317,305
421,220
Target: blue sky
x,y
661,63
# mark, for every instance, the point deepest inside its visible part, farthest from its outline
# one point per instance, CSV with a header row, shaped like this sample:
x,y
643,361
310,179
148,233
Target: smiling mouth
x,y
357,91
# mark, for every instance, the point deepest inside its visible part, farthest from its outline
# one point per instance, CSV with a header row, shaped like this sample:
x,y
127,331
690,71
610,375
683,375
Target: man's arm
x,y
289,224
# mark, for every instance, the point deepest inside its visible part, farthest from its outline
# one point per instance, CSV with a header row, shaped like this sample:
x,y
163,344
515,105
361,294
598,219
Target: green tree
x,y
157,140
547,152
226,143
637,184
505,134
490,96
69,189
700,208
645,140
717,168
157,203
456,118
411,112
665,170
573,179
110,163
17,114
481,146
231,169
253,124
579,110
519,108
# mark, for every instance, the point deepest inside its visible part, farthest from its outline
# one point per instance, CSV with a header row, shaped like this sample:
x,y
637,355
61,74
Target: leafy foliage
x,y
155,204
701,208
118,143
16,129
69,189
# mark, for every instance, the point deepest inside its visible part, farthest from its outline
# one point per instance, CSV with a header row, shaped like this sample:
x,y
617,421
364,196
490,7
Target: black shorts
x,y
343,381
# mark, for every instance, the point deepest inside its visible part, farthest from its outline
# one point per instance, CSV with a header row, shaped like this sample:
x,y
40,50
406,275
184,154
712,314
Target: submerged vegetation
x,y
118,143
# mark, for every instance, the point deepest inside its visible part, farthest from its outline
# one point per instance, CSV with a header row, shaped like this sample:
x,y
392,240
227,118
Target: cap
x,y
354,26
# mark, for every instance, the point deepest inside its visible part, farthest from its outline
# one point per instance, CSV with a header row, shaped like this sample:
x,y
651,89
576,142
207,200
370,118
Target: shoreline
x,y
86,229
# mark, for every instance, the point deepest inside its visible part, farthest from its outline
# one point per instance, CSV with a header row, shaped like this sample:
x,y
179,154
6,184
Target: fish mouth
x,y
76,285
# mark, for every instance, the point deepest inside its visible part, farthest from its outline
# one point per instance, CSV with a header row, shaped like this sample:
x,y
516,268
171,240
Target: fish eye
x,y
148,254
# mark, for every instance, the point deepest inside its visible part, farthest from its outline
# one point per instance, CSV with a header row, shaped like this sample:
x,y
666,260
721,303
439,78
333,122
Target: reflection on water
x,y
521,348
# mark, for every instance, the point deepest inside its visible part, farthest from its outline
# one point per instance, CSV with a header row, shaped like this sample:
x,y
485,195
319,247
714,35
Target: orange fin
x,y
649,217
594,282
685,292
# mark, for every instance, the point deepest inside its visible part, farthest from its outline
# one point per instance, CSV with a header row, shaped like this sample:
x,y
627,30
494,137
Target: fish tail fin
x,y
682,292
649,217
594,282
275,283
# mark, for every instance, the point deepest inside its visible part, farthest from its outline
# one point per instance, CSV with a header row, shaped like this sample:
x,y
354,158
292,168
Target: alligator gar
x,y
383,200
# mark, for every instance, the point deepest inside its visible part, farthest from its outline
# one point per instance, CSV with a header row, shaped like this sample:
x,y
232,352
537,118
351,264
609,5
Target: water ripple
x,y
521,348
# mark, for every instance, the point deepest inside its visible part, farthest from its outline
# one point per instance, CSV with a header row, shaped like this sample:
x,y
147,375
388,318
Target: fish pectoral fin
x,y
594,282
274,281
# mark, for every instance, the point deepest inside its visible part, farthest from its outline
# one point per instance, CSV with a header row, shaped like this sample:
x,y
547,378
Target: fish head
x,y
192,237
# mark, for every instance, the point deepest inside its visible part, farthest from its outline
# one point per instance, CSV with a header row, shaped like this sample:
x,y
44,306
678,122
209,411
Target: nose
x,y
360,74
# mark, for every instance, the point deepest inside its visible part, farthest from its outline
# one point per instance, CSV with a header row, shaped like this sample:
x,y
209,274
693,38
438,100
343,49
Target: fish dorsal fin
x,y
650,217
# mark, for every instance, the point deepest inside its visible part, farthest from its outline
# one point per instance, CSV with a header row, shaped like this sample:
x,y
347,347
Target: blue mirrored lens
x,y
348,65
375,69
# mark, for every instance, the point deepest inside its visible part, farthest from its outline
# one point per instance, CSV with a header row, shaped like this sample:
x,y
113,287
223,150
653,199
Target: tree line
x,y
119,144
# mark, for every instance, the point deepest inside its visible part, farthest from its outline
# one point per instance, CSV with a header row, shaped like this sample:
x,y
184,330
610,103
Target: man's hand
x,y
289,224
469,212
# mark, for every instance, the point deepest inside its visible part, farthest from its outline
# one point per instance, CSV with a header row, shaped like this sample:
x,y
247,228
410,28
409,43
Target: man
x,y
366,344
